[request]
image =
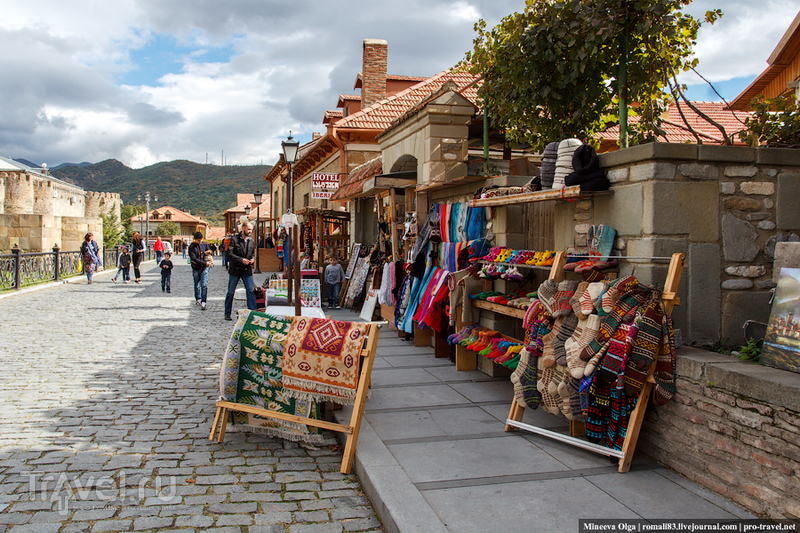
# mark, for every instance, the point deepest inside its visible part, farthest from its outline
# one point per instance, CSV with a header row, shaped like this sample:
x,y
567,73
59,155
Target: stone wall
x,y
37,233
723,207
734,428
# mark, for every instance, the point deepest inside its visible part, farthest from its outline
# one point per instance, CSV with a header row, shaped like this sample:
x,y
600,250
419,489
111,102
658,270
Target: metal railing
x,y
18,270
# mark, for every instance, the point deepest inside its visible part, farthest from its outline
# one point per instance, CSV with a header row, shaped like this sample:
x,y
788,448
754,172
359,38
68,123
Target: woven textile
x,y
251,375
321,359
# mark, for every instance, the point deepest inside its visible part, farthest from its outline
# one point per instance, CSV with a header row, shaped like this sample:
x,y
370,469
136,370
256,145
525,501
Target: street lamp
x,y
147,222
290,147
257,197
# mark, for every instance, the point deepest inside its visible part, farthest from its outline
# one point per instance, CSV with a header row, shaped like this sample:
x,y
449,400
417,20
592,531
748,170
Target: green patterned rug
x,y
251,375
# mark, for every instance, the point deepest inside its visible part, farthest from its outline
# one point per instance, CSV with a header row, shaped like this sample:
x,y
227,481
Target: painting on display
x,y
782,343
358,281
309,291
353,257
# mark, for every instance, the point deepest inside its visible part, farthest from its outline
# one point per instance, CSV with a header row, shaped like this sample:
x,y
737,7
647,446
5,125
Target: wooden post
x,y
393,224
296,233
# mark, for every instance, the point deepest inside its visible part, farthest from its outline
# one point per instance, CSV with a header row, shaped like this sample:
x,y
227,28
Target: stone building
x,y
38,211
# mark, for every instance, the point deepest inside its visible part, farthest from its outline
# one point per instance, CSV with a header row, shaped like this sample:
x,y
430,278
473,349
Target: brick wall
x,y
734,428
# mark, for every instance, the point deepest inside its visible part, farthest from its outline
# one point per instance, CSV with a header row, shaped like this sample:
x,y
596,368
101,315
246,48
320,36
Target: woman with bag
x,y
137,249
90,255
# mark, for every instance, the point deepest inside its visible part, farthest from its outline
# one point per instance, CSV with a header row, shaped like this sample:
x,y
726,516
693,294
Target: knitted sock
x,y
547,292
502,347
515,376
591,364
545,376
569,390
484,339
566,290
575,301
610,299
548,354
665,365
491,347
568,324
473,336
558,376
644,349
614,362
509,354
592,293
530,395
585,332
513,362
597,411
628,302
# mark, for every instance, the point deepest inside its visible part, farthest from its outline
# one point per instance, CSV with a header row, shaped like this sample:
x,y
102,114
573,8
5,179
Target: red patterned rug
x,y
320,359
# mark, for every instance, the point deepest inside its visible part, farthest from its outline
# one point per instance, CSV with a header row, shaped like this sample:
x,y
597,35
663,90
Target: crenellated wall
x,y
18,193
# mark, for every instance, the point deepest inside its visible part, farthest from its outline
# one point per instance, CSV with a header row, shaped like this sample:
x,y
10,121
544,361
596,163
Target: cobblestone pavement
x,y
106,398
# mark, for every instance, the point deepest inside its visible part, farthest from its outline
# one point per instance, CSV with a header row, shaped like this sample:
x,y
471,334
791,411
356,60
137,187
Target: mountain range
x,y
203,190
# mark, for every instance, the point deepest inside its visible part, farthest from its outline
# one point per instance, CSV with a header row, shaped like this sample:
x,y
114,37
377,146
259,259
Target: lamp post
x,y
290,147
257,197
147,221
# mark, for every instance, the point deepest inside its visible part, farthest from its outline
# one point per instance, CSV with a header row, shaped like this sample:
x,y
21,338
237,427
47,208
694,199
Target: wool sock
x,y
591,364
513,362
625,305
566,290
491,347
531,397
665,365
575,301
645,348
597,412
569,390
614,362
545,376
568,324
509,354
547,292
585,332
552,387
592,293
548,354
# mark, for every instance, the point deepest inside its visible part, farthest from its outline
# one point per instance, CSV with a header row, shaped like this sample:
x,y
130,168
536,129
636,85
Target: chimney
x,y
316,135
373,72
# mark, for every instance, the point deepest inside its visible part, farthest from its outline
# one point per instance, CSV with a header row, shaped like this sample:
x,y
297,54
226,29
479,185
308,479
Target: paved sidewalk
x,y
106,399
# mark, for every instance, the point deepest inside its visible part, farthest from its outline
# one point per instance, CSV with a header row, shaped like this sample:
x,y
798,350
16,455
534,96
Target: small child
x,y
334,274
166,272
123,266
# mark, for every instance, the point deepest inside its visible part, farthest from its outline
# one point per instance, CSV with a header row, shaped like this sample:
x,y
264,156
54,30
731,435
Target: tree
x,y
112,232
167,227
555,70
775,122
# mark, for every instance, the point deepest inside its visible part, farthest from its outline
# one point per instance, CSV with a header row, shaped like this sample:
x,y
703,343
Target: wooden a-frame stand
x,y
351,430
576,428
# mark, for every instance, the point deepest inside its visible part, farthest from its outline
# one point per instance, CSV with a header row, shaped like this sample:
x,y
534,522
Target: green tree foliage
x,y
552,71
167,227
112,231
775,122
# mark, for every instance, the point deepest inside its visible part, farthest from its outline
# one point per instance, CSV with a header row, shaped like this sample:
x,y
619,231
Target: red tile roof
x,y
678,133
390,77
176,215
380,115
354,184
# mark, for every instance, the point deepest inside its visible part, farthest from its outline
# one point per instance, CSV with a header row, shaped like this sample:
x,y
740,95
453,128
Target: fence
x,y
19,269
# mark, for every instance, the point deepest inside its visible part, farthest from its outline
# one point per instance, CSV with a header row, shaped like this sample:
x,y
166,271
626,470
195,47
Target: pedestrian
x,y
213,249
123,266
224,249
158,248
240,253
334,274
138,254
90,253
185,248
166,272
197,255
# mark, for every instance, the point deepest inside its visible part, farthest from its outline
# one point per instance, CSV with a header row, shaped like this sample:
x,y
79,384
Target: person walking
x,y
185,248
334,274
123,266
158,248
166,272
137,249
90,253
197,255
240,253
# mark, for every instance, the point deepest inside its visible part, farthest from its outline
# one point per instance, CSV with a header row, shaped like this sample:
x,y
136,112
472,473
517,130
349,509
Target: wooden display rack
x,y
625,456
351,430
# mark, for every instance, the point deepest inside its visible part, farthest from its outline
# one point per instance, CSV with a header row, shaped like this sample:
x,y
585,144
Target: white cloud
x,y
60,62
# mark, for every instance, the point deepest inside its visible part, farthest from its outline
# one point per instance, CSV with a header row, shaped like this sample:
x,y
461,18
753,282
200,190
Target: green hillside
x,y
203,190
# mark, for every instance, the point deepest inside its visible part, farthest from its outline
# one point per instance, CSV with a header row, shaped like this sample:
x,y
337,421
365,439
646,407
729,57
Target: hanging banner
x,y
324,181
321,195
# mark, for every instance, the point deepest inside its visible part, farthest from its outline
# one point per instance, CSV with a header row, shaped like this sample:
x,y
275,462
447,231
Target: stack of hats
x,y
549,164
566,149
587,172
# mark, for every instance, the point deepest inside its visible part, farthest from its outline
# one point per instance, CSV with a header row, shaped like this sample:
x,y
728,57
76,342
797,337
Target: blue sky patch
x,y
729,89
165,55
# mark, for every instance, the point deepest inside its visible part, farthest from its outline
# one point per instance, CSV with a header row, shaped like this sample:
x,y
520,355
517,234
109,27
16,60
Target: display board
x,y
369,305
782,342
353,257
309,291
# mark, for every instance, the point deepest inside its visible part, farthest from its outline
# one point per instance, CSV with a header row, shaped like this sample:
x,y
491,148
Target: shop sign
x,y
322,195
324,181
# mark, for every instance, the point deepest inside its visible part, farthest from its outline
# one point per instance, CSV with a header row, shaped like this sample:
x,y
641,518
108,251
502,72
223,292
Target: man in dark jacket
x,y
240,253
197,254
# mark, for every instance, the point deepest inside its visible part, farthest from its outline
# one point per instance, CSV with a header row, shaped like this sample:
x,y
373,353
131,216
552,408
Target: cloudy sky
x,y
144,81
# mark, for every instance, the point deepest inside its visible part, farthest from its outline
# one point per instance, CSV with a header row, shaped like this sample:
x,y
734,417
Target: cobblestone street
x,y
107,399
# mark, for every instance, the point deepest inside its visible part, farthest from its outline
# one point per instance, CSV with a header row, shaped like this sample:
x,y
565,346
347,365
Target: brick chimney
x,y
316,135
373,72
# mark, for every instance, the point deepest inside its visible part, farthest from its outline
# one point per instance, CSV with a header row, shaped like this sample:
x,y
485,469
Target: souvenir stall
x,y
325,233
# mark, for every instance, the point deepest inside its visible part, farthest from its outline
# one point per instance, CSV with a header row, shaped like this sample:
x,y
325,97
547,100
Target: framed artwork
x,y
782,343
351,265
309,291
369,305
